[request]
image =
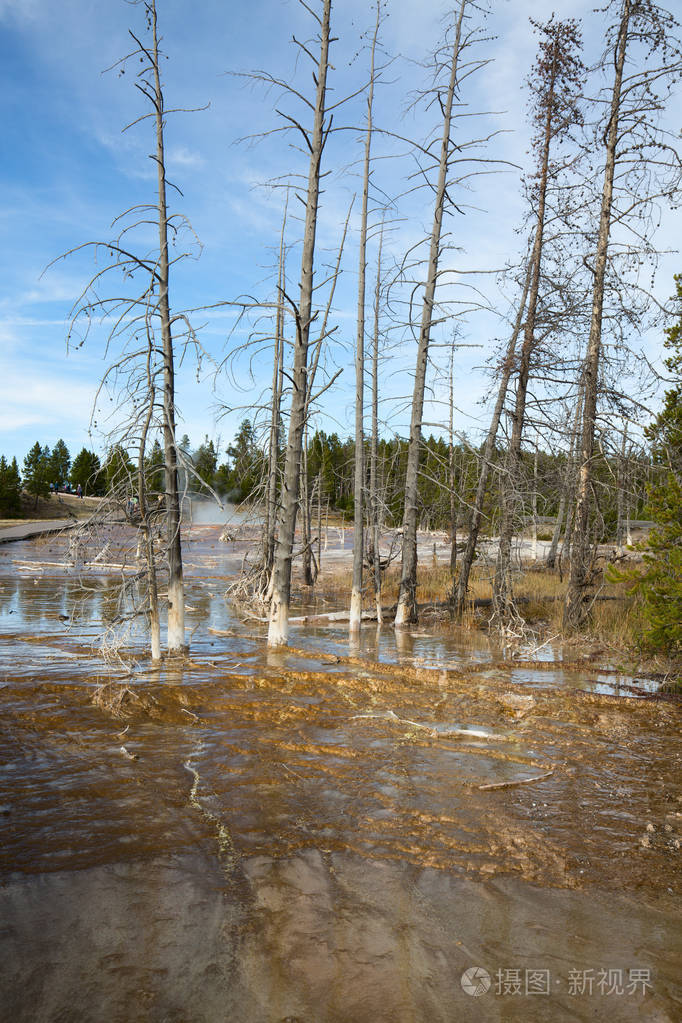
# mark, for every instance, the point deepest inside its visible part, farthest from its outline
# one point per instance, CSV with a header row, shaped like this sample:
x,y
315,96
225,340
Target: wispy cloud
x,y
182,156
30,398
68,172
21,10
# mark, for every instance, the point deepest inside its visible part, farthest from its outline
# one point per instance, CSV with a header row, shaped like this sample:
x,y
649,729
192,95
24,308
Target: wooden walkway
x,y
29,530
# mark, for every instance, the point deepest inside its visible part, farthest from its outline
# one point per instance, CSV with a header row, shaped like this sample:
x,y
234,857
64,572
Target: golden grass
x,y
541,593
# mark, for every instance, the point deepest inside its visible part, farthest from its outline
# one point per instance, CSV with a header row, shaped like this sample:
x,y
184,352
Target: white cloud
x,y
21,10
31,396
182,156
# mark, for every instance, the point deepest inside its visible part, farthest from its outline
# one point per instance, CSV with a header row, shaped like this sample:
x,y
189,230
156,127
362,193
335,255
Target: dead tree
x,y
555,83
310,566
146,523
406,610
454,504
567,487
461,584
375,514
641,166
150,85
303,312
355,616
270,523
143,331
623,497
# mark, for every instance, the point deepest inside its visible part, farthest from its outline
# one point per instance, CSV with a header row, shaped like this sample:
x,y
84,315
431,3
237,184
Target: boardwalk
x,y
29,530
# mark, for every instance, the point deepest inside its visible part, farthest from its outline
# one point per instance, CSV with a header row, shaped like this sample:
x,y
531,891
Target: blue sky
x,y
67,172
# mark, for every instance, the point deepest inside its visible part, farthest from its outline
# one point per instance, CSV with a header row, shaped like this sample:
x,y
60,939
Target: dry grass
x,y
55,506
614,621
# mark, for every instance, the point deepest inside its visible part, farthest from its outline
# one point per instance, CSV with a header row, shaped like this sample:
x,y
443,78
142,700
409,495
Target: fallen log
x,y
84,564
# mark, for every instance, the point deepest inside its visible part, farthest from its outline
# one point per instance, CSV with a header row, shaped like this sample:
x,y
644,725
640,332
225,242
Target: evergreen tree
x,y
205,465
153,464
37,470
660,585
119,472
60,463
10,489
86,471
248,467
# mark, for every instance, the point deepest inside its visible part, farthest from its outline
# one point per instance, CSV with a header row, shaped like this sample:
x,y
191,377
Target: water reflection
x,y
323,833
324,938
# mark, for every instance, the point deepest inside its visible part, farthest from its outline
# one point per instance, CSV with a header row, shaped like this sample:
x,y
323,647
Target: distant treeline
x,y
46,469
329,463
329,467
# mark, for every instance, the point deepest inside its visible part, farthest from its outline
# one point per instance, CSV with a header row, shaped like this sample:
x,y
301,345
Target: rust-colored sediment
x,y
259,762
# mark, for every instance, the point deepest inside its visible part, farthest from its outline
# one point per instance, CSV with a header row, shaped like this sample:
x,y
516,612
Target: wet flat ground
x,y
324,833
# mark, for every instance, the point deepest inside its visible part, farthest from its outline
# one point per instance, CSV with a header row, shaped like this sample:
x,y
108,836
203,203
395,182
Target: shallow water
x,y
303,835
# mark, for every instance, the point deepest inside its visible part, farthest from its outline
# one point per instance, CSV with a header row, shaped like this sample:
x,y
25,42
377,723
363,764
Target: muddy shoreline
x,y
323,834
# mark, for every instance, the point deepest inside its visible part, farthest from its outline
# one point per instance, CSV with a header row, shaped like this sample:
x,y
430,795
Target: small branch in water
x,y
513,784
469,733
295,773
531,653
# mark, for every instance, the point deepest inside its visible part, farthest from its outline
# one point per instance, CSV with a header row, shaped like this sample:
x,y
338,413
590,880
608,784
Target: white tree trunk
x,y
278,631
270,524
355,616
467,560
579,568
176,590
406,610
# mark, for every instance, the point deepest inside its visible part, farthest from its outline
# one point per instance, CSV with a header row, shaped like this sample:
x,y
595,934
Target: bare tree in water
x,y
144,332
315,139
359,481
640,167
447,62
555,84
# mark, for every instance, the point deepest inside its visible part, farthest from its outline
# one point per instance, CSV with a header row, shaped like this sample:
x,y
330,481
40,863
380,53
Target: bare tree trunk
x,y
309,566
502,588
580,546
451,469
570,484
176,590
565,553
534,501
406,610
462,584
628,524
621,483
373,464
145,525
554,545
565,501
273,447
319,522
278,632
355,617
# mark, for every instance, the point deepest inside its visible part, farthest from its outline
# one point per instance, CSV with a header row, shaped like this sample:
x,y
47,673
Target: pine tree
x,y
205,465
10,489
60,463
153,464
660,585
86,472
37,468
119,472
